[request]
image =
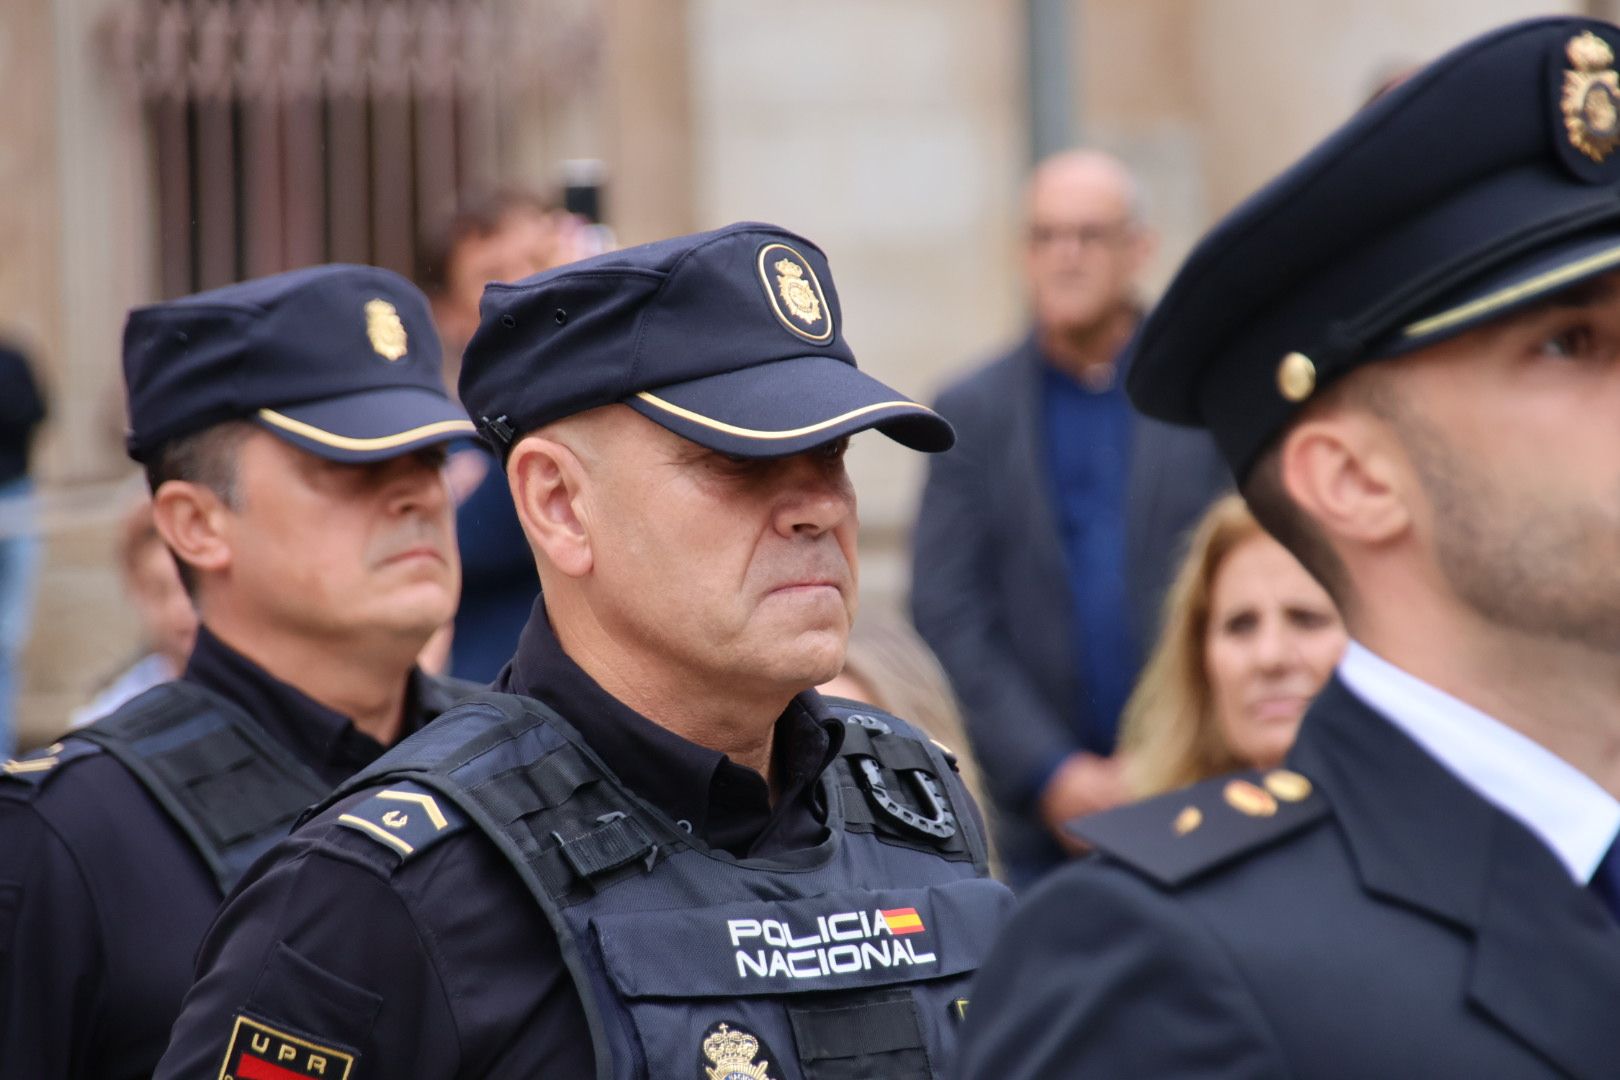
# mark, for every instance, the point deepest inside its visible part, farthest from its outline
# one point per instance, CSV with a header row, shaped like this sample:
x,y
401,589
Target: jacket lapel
x,y
1546,955
1027,473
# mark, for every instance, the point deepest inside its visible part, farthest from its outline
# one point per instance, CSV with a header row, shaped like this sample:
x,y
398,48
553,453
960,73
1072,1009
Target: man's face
x,y
1513,430
339,552
1084,250
722,568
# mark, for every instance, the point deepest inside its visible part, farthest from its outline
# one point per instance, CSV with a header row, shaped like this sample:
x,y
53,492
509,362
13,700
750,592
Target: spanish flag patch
x,y
903,920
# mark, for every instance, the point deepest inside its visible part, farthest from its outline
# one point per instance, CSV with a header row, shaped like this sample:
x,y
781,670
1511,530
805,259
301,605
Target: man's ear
x,y
192,520
548,485
1346,470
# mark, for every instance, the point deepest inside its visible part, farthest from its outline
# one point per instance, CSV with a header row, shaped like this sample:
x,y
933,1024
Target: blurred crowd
x,y
1093,620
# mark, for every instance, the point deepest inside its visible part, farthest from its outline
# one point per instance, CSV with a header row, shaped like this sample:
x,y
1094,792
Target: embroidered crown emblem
x,y
796,291
385,329
1591,98
733,1053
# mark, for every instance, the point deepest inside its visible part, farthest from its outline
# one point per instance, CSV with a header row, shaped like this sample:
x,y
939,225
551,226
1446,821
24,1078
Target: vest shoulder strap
x,y
903,785
512,766
225,782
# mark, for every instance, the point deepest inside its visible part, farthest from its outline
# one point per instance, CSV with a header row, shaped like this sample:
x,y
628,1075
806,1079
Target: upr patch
x,y
258,1051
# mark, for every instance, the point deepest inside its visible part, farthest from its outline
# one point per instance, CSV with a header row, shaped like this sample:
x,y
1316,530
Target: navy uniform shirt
x,y
103,899
446,966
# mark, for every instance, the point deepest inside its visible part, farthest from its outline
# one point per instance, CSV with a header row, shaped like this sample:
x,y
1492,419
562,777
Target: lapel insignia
x,y
732,1052
385,329
1189,819
260,1052
1247,798
1591,98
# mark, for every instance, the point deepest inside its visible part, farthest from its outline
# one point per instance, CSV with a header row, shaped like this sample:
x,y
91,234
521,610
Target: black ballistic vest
x,y
224,781
847,960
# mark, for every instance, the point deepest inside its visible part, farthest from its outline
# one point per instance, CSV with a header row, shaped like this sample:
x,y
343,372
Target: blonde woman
x,y
1248,639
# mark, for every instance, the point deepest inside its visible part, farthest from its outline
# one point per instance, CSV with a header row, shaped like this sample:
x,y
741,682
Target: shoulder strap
x,y
902,785
1179,836
224,781
512,766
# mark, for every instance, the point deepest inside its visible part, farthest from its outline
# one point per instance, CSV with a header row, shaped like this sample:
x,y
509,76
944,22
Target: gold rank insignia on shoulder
x,y
1249,799
44,761
402,819
385,329
258,1050
732,1054
1188,820
1591,98
1287,785
794,293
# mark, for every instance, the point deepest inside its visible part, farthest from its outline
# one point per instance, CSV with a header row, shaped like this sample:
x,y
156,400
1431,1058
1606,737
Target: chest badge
x,y
733,1054
385,329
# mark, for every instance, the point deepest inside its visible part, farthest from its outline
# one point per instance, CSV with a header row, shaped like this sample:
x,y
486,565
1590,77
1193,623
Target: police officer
x,y
292,429
1408,349
660,853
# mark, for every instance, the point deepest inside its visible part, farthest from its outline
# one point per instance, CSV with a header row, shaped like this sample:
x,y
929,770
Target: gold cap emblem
x,y
1296,377
732,1055
1287,785
795,294
1189,819
1591,98
385,329
1246,798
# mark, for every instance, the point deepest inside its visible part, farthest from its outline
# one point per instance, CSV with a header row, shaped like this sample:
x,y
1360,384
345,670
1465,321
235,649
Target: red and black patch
x,y
261,1052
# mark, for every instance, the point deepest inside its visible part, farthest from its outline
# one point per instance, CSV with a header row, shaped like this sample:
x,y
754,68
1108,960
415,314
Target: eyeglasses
x,y
1090,235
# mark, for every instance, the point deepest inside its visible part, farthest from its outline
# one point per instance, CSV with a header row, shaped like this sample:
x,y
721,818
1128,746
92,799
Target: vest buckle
x,y
938,823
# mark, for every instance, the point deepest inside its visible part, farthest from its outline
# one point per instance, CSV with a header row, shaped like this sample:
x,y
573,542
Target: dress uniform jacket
x,y
1227,931
104,898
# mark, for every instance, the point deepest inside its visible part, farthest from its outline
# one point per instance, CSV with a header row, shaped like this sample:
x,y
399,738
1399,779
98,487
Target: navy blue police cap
x,y
342,361
732,339
1487,181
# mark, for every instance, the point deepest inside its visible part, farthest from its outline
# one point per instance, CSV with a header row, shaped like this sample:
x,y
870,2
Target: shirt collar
x,y
322,738
1563,806
725,803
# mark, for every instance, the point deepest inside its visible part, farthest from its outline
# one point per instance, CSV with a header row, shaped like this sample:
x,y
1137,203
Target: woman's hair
x,y
1168,730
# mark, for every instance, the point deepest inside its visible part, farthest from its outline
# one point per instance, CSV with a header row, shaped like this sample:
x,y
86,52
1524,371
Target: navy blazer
x,y
1393,924
990,591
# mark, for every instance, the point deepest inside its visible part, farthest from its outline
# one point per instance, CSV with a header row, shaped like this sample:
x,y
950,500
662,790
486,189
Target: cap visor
x,y
369,426
1524,282
788,406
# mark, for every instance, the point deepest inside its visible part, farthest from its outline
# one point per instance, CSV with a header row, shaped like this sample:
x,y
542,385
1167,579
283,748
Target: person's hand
x,y
1083,784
